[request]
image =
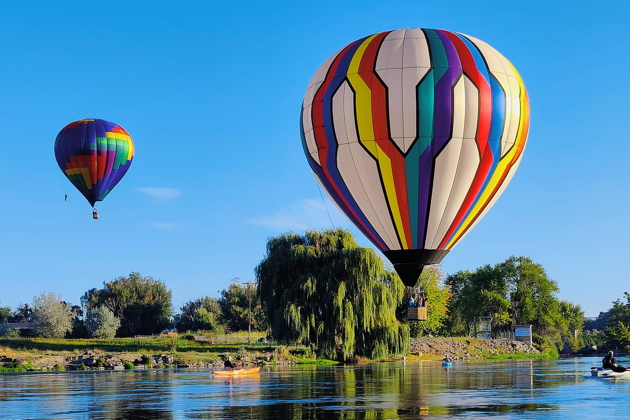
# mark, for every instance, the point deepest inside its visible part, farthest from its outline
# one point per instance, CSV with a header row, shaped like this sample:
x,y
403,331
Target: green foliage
x,y
484,292
142,304
120,345
618,334
102,323
128,365
52,316
100,362
514,292
200,315
322,288
5,314
235,308
545,345
617,324
147,361
58,368
7,332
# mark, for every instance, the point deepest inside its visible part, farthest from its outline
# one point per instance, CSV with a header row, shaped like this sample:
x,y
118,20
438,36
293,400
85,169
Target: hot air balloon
x,y
94,155
414,134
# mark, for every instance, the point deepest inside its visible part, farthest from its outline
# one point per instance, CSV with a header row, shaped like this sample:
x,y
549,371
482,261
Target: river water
x,y
518,389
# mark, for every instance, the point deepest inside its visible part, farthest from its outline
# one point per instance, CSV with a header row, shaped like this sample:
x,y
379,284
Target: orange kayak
x,y
237,372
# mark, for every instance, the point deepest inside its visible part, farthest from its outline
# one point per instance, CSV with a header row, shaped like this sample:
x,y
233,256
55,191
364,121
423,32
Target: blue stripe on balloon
x,y
480,63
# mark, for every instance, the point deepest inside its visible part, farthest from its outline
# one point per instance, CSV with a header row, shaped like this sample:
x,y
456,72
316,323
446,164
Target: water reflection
x,y
503,389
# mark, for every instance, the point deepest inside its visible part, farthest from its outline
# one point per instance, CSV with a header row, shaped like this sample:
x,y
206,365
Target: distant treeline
x,y
323,290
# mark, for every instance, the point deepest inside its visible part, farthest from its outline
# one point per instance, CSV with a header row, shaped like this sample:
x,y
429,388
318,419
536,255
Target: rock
x,y
467,348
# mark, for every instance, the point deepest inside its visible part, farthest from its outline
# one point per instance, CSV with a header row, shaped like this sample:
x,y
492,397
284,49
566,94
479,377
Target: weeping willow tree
x,y
324,289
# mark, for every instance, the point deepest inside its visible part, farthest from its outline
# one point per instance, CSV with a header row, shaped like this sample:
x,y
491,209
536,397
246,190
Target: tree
x,y
5,314
235,304
536,296
323,289
516,291
618,326
142,304
51,315
200,315
22,313
102,323
482,293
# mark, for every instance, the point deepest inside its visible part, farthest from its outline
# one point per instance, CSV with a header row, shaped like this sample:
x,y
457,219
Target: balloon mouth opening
x,y
409,263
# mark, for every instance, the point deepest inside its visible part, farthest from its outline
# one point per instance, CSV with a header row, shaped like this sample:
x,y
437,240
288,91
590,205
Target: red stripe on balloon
x,y
101,164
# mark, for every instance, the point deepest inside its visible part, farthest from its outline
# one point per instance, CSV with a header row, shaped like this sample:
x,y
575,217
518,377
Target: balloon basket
x,y
417,313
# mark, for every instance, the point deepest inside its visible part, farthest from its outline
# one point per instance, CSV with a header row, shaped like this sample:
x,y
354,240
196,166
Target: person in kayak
x,y
228,365
609,362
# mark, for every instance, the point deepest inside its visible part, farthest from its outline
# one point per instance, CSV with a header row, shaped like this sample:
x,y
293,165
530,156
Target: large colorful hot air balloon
x,y
414,134
94,155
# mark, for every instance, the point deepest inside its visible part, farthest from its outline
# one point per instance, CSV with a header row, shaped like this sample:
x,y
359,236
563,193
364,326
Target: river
x,y
512,389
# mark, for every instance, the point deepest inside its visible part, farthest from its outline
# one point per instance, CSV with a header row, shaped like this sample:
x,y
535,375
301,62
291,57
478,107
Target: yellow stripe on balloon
x,y
86,178
363,107
125,137
131,149
503,166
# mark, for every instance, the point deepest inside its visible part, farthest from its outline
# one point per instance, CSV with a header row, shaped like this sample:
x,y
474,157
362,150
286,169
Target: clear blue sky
x,y
211,94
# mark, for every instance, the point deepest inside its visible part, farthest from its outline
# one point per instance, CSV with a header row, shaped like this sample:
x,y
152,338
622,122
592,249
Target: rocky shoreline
x,y
426,348
467,348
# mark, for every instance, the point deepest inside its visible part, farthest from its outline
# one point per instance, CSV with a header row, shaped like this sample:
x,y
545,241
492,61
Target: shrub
x,y
545,345
8,332
127,365
147,361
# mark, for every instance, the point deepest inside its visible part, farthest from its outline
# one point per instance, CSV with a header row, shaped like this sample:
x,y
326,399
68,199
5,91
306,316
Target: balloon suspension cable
x,y
325,206
67,198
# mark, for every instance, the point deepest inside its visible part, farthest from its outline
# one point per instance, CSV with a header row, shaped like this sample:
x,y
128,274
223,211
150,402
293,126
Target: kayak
x,y
609,373
236,372
447,364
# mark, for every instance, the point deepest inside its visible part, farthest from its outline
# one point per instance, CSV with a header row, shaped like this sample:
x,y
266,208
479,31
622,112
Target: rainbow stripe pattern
x,y
94,155
414,134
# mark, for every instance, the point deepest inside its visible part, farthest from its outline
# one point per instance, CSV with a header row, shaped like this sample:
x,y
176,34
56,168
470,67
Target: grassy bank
x,y
122,345
39,353
184,351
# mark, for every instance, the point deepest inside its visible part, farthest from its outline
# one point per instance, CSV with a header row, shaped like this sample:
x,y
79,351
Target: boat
x,y
236,372
447,364
609,373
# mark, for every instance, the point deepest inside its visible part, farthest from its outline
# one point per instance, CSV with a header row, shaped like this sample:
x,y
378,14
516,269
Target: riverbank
x,y
469,348
38,355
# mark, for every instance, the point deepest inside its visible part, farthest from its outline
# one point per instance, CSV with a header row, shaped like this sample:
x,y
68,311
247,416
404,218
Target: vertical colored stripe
x,y
503,167
325,139
483,131
373,126
447,68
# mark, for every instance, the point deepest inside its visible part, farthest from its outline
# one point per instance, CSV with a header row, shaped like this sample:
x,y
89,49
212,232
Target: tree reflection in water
x,y
514,389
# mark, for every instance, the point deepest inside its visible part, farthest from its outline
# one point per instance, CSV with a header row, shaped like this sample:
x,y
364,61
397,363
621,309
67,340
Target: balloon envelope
x,y
94,155
414,134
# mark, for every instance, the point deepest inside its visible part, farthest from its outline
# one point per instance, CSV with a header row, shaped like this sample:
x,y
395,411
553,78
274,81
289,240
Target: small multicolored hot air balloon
x,y
414,134
94,154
